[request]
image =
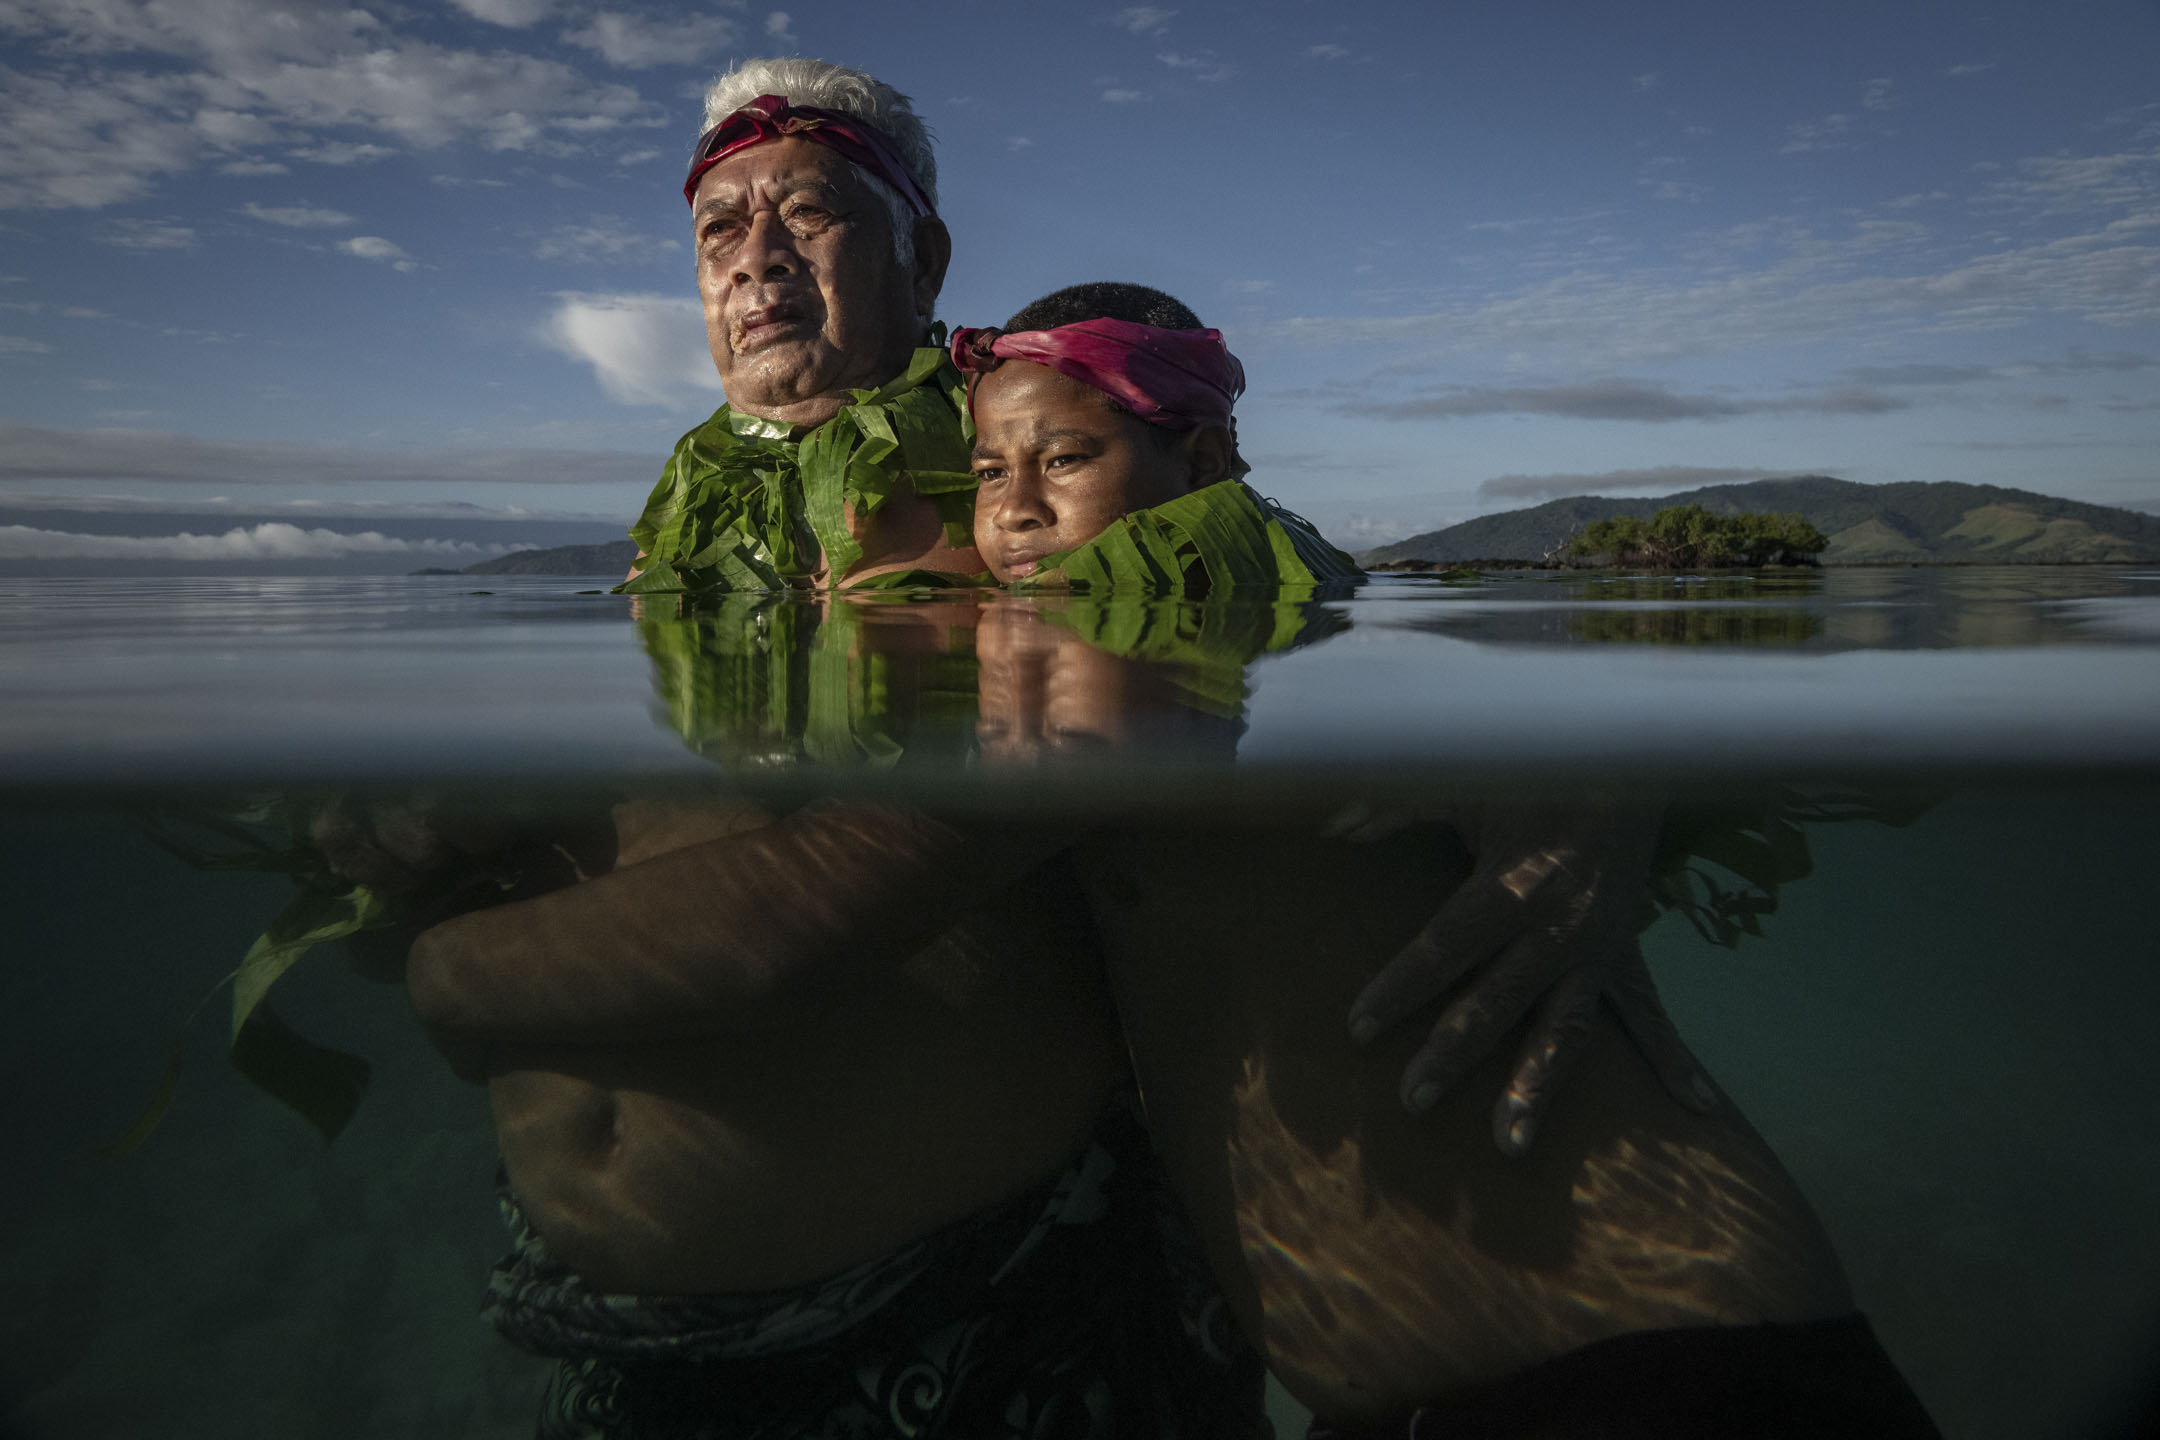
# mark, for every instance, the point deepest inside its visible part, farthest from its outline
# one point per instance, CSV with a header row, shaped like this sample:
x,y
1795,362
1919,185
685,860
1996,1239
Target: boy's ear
x,y
1208,451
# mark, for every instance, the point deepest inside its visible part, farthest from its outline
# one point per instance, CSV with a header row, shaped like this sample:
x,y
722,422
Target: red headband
x,y
1179,379
770,116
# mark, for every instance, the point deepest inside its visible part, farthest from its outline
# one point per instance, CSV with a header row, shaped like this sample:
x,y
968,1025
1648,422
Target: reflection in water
x,y
846,682
1763,627
1831,609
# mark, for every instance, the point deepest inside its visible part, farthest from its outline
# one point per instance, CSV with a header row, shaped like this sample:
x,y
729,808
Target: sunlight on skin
x,y
1383,1259
1363,1290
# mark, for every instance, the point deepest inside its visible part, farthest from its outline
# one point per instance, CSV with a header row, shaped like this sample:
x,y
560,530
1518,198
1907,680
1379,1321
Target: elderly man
x,y
789,1152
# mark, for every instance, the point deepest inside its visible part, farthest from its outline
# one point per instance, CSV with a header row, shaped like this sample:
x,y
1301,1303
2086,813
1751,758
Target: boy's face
x,y
1057,466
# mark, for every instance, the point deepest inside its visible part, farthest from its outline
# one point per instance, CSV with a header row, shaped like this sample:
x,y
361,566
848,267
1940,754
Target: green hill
x,y
1941,522
612,558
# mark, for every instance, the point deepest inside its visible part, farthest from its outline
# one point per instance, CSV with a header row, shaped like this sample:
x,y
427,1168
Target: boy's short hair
x,y
1111,300
1105,300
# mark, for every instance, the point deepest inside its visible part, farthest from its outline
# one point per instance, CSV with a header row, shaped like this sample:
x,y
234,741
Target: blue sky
x,y
419,272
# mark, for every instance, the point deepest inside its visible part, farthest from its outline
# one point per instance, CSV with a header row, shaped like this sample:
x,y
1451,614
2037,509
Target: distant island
x,y
611,559
1689,537
1940,522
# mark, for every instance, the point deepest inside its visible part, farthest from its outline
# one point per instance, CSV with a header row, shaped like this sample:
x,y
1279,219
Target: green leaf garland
x,y
743,506
1217,540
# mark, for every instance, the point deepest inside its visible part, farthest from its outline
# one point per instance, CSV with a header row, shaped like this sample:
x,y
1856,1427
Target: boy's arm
x,y
744,932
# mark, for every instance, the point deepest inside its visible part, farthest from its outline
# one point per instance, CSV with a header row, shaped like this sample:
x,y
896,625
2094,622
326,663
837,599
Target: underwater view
x,y
1889,829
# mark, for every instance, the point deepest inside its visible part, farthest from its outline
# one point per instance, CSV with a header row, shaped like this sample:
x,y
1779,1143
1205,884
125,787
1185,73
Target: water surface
x,y
1945,1030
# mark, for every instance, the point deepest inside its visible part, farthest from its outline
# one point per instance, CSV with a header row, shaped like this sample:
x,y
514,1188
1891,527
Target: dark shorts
x,y
1081,1309
1824,1381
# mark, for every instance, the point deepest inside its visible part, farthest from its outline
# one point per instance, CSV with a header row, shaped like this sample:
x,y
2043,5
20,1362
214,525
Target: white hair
x,y
851,92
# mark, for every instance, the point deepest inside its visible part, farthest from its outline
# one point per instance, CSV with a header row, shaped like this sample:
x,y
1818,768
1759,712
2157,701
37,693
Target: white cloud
x,y
23,345
510,14
1143,19
1121,97
271,540
636,43
374,247
1018,142
344,152
1207,67
297,217
103,98
1979,68
1327,52
603,238
2063,184
148,235
253,167
644,349
1638,401
1880,94
1646,82
776,28
1774,284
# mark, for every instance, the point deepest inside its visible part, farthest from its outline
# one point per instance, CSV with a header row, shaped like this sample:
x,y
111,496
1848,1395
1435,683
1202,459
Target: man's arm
x,y
746,932
1543,928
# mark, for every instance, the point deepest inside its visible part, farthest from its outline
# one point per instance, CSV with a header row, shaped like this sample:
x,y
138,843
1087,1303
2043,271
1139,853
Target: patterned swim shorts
x,y
1079,1310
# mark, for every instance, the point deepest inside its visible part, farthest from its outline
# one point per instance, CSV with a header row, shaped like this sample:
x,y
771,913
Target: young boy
x,y
1106,456
1646,1271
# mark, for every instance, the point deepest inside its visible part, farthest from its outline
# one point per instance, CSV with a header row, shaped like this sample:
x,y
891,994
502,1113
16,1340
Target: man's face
x,y
1055,466
803,299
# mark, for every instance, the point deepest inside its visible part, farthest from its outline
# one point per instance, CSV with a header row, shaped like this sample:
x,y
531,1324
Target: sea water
x,y
1947,1030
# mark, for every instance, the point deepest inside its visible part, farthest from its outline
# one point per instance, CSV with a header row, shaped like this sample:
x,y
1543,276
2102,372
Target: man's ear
x,y
933,252
1207,456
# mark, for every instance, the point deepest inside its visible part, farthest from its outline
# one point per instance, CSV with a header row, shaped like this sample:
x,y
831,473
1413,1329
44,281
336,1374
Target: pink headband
x,y
1178,379
770,116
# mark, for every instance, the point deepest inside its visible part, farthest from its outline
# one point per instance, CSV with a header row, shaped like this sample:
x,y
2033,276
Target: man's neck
x,y
807,414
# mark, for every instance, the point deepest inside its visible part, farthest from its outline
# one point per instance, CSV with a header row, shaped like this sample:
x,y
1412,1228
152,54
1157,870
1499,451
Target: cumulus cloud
x,y
1634,400
635,42
374,247
298,217
1658,477
103,100
776,29
602,239
36,454
1143,19
643,349
271,540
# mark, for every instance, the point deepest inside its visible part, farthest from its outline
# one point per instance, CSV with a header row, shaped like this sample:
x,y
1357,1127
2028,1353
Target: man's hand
x,y
1545,923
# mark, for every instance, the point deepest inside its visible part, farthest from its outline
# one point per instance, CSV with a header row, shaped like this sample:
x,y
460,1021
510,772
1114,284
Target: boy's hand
x,y
1546,923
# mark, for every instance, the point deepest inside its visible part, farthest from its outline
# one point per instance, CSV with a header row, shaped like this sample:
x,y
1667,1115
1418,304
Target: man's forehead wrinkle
x,y
724,189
